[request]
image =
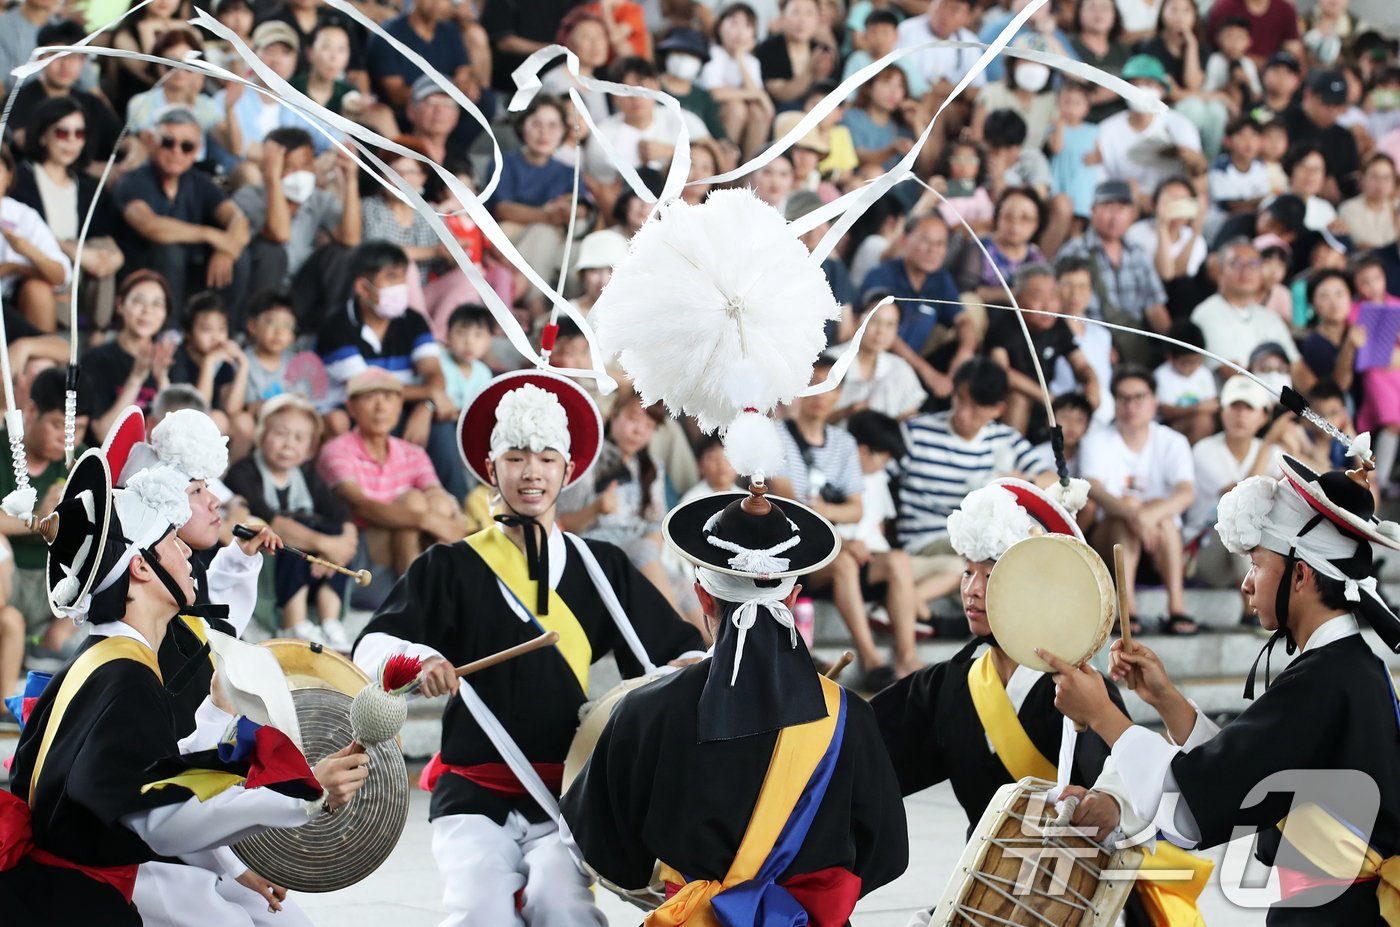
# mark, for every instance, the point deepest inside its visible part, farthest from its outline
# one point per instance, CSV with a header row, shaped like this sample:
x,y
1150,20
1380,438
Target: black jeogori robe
x,y
187,678
653,791
449,600
1332,708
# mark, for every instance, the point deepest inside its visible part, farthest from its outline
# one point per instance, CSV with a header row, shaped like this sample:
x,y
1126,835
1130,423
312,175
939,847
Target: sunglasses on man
x,y
186,146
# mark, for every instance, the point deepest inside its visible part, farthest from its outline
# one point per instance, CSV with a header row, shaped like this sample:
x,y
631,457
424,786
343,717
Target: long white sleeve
x,y
1203,730
1110,782
233,581
195,826
373,649
1144,763
221,861
210,724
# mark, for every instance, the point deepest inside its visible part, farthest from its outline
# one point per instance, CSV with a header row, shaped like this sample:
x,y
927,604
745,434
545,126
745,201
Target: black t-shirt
x,y
536,20
1051,344
105,371
102,125
329,515
197,198
1338,147
185,369
773,60
1176,67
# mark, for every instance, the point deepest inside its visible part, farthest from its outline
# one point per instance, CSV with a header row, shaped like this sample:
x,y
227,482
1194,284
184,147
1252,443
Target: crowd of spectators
x,y
236,262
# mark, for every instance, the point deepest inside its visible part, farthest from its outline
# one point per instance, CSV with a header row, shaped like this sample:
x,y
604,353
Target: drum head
x,y
312,666
1051,592
337,850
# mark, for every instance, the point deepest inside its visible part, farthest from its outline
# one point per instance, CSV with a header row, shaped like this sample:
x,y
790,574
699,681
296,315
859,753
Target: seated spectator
x,y
1230,71
434,118
794,58
1220,461
1140,475
1071,146
52,180
1314,118
518,28
1328,352
388,483
307,18
376,329
1273,25
1282,77
775,181
135,365
940,68
280,485
1073,416
1370,215
681,54
1273,271
1017,219
642,133
626,499
1144,148
1006,345
184,226
237,16
734,79
1172,236
63,78
448,284
256,114
1010,161
1238,178
1380,405
1308,180
880,35
220,141
717,474
924,326
43,455
139,31
32,264
1026,91
962,178
385,217
879,120
875,235
289,212
842,328
272,327
1127,289
1309,445
329,62
1186,394
430,30
216,366
583,33
464,373
597,254
12,630
1075,282
879,380
1096,38
534,200
1233,321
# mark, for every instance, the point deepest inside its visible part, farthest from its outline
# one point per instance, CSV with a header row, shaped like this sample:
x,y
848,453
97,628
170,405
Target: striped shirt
x,y
346,460
941,468
348,346
835,462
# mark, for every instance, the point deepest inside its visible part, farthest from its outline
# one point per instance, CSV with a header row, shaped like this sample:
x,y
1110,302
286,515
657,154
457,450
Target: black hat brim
x,y
684,528
89,475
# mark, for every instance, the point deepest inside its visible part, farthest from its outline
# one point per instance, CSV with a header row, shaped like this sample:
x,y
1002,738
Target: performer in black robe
x,y
504,740
1320,746
84,807
681,773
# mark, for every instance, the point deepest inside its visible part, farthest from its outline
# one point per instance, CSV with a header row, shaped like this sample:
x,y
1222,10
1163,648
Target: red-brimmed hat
x,y
126,433
478,420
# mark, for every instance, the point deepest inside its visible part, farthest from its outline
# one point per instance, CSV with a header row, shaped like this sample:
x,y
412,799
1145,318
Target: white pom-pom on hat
x,y
1073,497
20,502
988,522
189,441
530,418
1243,511
753,446
151,503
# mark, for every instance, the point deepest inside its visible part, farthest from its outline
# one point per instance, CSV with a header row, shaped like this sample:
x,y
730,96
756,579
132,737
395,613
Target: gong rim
x,y
314,666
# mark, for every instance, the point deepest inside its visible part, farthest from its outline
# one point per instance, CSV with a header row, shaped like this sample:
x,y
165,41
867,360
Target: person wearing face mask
x,y
1144,148
377,329
1026,91
1233,320
289,211
682,54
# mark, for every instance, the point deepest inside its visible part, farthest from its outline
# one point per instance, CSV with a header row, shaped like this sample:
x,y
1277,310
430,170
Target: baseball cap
x,y
1330,87
1284,59
603,248
274,31
373,380
425,87
799,203
1241,388
1113,191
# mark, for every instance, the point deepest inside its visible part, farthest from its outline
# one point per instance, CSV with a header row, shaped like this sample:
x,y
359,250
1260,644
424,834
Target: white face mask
x,y
1154,95
1032,76
298,186
682,66
393,301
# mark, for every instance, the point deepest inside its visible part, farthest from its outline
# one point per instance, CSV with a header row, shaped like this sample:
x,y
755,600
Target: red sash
x,y
494,776
17,842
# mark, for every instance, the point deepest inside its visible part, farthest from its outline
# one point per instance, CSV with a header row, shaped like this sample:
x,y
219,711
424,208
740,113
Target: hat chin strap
x,y
536,548
153,561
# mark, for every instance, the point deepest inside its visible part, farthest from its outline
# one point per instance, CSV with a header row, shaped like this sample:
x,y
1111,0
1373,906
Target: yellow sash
x,y
92,659
1169,903
508,563
1331,846
998,716
795,757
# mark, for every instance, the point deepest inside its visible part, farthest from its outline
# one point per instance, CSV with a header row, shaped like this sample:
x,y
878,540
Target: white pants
x,y
485,864
168,895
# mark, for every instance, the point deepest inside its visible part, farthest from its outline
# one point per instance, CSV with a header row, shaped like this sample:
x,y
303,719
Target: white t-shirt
x,y
1235,333
940,63
1133,156
1175,390
1149,474
1096,344
876,508
724,72
893,390
1228,183
1216,468
625,138
1137,16
26,223
1143,234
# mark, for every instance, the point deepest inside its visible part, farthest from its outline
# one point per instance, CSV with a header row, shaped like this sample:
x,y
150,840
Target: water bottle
x,y
803,614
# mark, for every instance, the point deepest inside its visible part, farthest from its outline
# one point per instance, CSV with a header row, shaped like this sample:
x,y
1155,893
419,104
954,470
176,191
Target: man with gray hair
x,y
186,228
1053,339
1233,321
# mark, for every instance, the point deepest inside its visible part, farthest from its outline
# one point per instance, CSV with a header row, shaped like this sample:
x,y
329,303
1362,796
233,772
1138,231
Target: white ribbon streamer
x,y
610,601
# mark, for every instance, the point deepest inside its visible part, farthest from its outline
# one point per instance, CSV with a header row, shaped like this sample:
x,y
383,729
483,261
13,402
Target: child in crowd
x,y
879,380
272,327
445,291
280,485
1329,350
597,254
1186,394
1273,145
1075,282
1292,436
1072,144
1229,69
1074,414
1239,179
464,373
214,364
1274,256
1380,407
962,179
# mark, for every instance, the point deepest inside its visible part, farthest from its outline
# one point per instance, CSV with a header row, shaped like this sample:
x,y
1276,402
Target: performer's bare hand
x,y
342,774
439,678
1096,810
274,895
1080,692
266,539
1144,671
219,695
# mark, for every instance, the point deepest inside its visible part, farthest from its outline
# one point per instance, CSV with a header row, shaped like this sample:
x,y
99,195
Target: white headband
x,y
530,418
750,597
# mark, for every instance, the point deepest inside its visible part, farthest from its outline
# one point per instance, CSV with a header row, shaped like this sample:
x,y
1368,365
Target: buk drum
x,y
337,850
1022,866
1052,592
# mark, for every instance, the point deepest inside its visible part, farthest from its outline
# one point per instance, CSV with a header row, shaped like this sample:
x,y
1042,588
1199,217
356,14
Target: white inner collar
x,y
1331,631
120,629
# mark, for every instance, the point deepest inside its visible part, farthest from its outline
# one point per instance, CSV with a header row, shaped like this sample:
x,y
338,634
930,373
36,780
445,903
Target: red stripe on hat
x,y
1346,527
1039,509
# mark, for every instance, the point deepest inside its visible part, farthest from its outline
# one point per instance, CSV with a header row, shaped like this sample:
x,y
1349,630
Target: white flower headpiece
x,y
190,442
988,522
530,418
1244,511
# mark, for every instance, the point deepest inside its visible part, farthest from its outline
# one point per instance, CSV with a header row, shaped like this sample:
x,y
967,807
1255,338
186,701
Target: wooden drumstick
x,y
1125,629
361,577
510,653
837,668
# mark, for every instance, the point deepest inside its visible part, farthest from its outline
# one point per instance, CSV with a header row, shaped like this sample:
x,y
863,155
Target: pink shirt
x,y
346,460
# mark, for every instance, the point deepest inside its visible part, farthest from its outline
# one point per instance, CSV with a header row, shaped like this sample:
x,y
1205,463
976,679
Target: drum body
x,y
337,850
1052,592
1021,867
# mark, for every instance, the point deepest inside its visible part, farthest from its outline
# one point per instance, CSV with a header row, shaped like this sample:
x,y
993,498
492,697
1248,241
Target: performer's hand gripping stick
x,y
1124,620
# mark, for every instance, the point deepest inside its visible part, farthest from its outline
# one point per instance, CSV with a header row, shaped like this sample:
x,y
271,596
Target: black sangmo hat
x,y
752,534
